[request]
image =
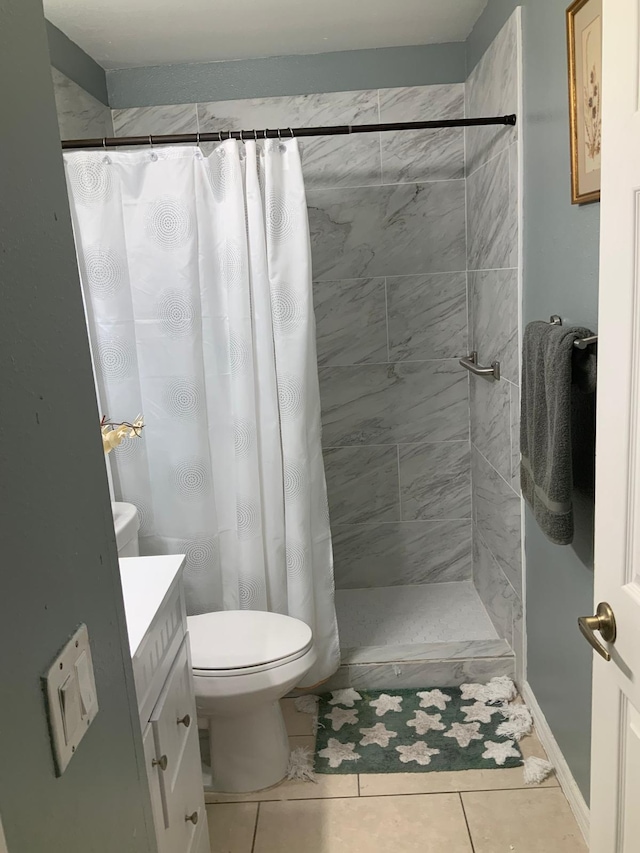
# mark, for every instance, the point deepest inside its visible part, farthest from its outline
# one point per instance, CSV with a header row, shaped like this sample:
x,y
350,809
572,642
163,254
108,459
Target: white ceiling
x,y
129,33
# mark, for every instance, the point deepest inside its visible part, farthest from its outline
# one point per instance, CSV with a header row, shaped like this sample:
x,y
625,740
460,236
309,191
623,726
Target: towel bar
x,y
581,343
470,363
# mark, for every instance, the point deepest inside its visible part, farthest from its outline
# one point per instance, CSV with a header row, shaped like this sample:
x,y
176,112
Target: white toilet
x,y
126,524
244,662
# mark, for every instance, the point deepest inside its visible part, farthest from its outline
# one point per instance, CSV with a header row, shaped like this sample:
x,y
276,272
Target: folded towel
x,y
558,382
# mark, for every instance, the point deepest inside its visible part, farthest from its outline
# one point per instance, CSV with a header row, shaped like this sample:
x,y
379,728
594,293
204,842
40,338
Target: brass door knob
x,y
605,622
160,762
185,721
192,818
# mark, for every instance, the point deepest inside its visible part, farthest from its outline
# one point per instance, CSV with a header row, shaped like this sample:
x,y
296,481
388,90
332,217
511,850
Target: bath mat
x,y
412,731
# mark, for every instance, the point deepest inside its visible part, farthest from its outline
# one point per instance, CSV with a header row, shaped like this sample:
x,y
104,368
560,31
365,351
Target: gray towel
x,y
558,382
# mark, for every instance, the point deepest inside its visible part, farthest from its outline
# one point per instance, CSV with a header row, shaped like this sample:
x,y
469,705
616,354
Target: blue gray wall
x,y
560,277
342,71
75,64
59,561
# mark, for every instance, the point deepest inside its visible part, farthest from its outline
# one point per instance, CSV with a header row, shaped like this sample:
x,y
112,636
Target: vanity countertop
x,y
146,583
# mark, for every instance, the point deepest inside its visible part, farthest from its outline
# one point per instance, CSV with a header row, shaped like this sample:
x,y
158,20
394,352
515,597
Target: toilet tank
x,y
127,524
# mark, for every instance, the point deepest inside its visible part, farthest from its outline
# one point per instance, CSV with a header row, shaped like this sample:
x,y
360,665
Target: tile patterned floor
x,y
471,811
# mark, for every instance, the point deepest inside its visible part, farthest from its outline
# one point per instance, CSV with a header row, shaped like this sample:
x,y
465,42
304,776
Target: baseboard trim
x,y
568,784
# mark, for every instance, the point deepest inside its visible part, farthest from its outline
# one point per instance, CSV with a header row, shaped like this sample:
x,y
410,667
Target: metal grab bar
x,y
470,363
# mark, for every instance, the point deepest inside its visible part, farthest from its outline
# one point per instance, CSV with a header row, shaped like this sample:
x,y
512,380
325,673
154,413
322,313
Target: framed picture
x,y
584,40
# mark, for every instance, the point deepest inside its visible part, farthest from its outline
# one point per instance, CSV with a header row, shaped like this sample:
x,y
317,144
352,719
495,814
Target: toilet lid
x,y
237,639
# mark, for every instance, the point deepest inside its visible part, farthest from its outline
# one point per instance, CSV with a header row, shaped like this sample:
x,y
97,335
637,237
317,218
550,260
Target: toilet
x,y
244,662
126,523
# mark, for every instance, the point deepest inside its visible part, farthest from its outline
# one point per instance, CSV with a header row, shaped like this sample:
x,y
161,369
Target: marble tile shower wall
x,y
80,115
492,157
387,220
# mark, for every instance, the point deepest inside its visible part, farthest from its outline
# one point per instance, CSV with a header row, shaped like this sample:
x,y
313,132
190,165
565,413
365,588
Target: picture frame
x,y
584,49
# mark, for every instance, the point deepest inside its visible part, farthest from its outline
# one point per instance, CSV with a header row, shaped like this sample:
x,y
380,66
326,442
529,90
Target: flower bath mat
x,y
413,731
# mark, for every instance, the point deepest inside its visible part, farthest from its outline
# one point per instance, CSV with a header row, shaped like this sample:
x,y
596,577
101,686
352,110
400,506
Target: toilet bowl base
x,y
248,751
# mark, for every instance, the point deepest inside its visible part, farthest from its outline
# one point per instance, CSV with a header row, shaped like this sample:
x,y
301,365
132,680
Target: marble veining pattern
x,y
351,321
492,163
408,402
427,316
492,218
435,480
417,552
492,90
442,673
362,484
412,614
493,330
514,392
422,155
498,516
497,594
426,651
489,407
408,674
141,121
329,161
401,229
80,115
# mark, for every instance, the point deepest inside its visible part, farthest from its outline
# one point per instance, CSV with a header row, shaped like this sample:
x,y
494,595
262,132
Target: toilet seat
x,y
242,642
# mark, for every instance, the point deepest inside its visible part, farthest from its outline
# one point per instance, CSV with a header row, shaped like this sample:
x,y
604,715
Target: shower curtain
x,y
196,275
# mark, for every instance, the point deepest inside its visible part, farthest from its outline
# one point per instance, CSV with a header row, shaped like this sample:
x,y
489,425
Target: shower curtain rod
x,y
245,135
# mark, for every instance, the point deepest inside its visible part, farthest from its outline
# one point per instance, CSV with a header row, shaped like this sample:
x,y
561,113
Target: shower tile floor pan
x,y
421,622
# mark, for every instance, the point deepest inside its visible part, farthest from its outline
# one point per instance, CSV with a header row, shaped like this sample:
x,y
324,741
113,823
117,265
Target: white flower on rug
x,y
433,699
337,752
464,733
499,752
418,752
346,697
478,711
423,723
386,703
340,717
378,734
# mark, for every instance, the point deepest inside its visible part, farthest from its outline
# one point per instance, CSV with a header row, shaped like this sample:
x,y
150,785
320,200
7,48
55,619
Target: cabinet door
x,y
153,774
175,734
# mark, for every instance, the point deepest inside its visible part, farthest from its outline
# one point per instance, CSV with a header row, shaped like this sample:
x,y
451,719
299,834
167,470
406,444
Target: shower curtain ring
x,y
219,136
255,135
198,138
104,142
279,135
292,133
150,141
242,136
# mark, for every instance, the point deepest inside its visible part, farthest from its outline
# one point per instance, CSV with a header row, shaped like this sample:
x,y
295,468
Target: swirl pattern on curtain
x,y
196,273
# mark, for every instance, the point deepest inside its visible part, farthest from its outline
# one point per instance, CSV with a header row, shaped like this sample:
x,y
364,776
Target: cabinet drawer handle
x,y
160,762
193,818
185,721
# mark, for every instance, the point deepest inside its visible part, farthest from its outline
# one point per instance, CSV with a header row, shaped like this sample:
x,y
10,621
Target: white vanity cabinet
x,y
157,626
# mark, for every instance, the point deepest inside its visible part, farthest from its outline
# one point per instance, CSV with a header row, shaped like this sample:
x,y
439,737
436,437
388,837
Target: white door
x,y
615,786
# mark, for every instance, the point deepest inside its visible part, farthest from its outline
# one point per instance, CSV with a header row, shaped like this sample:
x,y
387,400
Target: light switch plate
x,y
72,701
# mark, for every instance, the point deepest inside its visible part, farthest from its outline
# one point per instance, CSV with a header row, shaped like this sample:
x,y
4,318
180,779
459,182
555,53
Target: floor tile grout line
x,y
255,829
466,821
523,787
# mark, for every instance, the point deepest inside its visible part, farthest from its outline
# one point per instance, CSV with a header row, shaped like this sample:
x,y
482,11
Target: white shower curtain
x,y
196,274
